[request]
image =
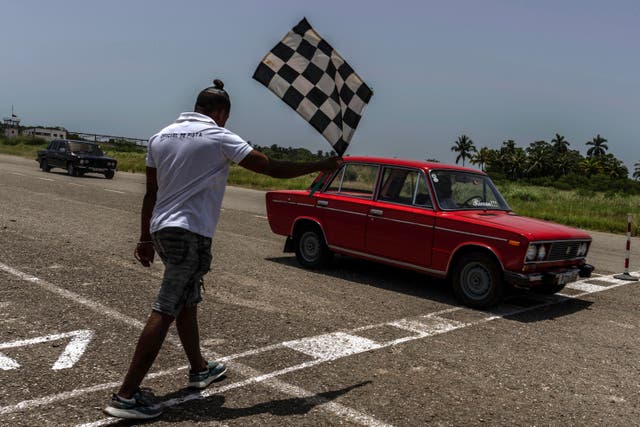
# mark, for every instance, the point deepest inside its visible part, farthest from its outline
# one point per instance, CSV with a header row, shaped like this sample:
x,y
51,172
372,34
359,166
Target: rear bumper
x,y
559,277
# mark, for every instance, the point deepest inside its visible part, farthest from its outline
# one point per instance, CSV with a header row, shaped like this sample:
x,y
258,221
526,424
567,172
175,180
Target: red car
x,y
442,220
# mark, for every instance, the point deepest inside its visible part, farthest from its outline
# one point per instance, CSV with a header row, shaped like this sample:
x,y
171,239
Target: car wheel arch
x,y
302,222
462,250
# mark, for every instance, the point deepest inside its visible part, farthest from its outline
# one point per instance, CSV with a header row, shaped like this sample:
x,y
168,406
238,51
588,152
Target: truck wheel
x,y
109,174
71,170
477,280
44,165
311,249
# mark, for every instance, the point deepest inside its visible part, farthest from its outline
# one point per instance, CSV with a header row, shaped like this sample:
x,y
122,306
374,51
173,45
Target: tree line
x,y
551,163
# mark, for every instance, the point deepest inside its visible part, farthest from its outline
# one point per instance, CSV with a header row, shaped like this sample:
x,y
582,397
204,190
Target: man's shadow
x,y
212,408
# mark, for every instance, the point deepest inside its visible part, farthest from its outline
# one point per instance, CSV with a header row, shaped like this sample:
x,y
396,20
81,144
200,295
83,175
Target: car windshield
x,y
456,190
84,147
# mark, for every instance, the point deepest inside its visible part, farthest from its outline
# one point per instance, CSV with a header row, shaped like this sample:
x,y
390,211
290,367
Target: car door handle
x,y
376,212
323,203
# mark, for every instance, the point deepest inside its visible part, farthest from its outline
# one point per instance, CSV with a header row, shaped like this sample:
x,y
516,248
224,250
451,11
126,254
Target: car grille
x,y
563,250
98,163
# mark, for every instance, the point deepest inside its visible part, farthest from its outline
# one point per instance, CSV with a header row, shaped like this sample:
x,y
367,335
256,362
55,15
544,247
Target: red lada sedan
x,y
442,220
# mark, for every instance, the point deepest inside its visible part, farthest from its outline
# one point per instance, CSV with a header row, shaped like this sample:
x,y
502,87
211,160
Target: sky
x,y
492,70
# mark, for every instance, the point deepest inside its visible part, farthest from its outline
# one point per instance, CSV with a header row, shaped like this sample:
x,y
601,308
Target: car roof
x,y
422,164
75,140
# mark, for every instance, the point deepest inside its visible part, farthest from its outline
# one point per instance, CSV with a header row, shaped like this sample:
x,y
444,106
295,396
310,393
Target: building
x,y
11,126
46,133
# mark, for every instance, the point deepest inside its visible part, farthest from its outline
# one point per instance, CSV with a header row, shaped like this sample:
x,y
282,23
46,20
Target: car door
x,y
61,154
344,204
400,223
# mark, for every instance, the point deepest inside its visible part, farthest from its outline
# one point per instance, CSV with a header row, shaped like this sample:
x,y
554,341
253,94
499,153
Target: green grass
x,y
582,208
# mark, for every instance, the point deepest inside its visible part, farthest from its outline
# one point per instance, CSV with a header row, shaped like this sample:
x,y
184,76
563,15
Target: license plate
x,y
568,277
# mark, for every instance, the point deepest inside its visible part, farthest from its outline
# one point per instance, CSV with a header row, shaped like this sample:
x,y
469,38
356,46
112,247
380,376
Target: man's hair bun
x,y
217,83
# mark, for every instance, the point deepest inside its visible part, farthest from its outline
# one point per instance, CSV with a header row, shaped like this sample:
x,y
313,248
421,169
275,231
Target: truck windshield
x,y
456,190
84,147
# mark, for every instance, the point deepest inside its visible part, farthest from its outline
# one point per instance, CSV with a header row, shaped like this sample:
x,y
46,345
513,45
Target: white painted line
x,y
16,173
71,354
332,346
261,216
6,363
46,179
77,185
268,379
114,191
586,287
428,326
311,346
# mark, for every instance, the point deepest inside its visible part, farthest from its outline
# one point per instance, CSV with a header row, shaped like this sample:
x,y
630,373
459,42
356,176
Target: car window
x,y
84,147
423,196
62,147
354,180
463,190
404,186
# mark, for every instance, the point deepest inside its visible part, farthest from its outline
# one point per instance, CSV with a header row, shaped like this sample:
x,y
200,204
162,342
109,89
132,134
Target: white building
x,y
46,133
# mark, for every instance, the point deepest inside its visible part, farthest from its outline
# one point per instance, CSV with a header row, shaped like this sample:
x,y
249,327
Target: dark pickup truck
x,y
77,157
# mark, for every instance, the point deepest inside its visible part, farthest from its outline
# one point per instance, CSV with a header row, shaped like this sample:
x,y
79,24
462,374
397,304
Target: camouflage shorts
x,y
187,258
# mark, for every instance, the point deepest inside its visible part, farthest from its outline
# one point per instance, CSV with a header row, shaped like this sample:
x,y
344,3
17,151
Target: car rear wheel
x,y
477,281
311,249
44,165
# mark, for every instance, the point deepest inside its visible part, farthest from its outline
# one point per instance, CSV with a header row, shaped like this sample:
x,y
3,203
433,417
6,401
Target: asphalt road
x,y
356,344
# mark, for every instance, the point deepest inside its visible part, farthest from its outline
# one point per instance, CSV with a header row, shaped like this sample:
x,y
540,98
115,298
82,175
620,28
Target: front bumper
x,y
94,169
559,277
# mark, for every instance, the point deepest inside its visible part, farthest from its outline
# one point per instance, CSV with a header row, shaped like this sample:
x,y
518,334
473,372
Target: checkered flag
x,y
313,79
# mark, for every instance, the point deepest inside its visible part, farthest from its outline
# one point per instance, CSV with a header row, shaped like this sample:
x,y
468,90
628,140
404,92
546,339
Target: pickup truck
x,y
77,157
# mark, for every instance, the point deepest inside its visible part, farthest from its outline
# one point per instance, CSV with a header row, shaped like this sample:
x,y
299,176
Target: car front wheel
x,y
109,174
477,281
71,170
311,249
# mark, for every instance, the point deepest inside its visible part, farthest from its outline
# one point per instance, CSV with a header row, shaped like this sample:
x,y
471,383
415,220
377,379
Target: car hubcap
x,y
310,246
476,281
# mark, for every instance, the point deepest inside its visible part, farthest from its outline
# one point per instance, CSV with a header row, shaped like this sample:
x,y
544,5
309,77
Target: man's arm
x,y
144,249
259,162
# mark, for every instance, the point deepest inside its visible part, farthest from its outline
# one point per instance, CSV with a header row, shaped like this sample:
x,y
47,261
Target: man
x,y
187,169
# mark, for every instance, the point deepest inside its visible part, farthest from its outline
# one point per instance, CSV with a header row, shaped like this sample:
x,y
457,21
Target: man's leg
x,y
147,349
187,324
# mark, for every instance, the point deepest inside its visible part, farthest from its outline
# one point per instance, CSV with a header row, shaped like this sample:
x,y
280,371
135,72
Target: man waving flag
x,y
313,79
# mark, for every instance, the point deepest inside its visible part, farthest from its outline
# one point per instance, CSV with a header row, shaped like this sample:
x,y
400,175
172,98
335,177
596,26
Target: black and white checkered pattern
x,y
313,79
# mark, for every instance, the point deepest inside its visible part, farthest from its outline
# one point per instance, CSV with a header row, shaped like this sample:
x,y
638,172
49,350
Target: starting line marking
x,y
323,348
255,376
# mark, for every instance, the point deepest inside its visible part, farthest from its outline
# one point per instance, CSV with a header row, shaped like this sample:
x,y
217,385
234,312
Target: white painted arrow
x,y
69,357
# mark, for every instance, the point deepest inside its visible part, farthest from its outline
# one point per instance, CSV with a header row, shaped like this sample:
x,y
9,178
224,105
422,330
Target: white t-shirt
x,y
192,158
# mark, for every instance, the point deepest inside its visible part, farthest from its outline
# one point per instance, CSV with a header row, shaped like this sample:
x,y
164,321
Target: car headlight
x,y
542,252
532,251
84,161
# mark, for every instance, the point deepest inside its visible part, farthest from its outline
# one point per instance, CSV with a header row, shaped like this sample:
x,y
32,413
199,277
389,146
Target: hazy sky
x,y
493,70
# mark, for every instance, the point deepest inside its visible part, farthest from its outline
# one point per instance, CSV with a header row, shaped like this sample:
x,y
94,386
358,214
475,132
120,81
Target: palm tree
x,y
482,157
539,158
590,166
560,144
464,147
599,146
636,172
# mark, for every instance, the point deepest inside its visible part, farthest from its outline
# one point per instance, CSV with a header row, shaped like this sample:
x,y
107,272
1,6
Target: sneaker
x,y
203,379
137,408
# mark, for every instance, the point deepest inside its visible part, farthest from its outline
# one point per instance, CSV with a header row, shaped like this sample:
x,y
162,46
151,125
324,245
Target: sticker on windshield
x,y
434,177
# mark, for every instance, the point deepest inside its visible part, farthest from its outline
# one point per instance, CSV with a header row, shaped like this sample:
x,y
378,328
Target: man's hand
x,y
144,253
332,163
